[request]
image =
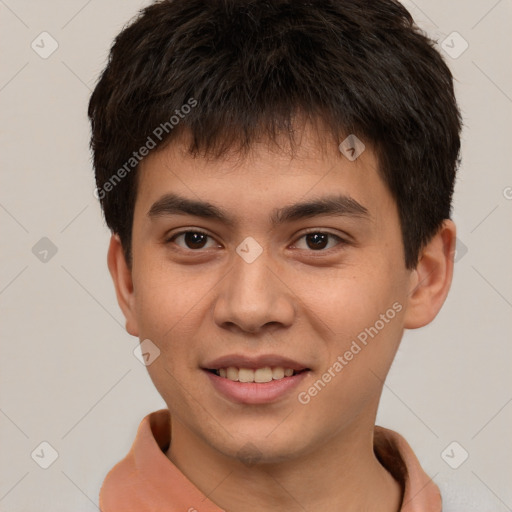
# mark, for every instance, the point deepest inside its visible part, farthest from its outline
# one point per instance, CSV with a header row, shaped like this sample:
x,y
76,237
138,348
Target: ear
x,y
122,277
432,277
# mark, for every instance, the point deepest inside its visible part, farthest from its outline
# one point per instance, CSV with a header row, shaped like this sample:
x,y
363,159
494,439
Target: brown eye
x,y
319,240
192,240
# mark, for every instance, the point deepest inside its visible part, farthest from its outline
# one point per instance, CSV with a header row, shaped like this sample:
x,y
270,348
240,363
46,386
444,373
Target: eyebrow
x,y
337,205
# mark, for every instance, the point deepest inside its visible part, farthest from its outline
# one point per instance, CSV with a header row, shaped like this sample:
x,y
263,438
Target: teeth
x,y
245,375
278,373
266,374
232,373
263,374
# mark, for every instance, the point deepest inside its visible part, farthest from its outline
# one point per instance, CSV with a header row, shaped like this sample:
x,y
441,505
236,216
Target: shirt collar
x,y
147,480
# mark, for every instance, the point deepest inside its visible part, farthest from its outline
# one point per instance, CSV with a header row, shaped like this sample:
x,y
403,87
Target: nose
x,y
253,297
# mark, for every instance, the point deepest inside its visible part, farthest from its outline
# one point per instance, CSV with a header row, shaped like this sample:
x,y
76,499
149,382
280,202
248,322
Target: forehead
x,y
259,182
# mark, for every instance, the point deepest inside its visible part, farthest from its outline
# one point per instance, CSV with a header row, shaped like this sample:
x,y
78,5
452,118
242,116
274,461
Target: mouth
x,y
255,381
255,375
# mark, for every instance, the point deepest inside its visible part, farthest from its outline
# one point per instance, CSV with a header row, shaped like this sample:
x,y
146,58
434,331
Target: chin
x,y
258,448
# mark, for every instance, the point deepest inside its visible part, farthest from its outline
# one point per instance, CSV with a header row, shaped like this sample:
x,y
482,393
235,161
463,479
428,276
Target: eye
x,y
196,240
192,240
319,240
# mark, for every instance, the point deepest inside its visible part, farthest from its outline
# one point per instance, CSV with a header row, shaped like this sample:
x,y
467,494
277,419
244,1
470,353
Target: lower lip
x,y
254,393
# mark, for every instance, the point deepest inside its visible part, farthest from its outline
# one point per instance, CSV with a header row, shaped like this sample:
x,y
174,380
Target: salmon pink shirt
x,y
146,480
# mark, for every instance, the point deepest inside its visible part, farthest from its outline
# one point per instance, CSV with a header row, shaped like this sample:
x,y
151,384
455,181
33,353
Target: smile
x,y
255,386
261,375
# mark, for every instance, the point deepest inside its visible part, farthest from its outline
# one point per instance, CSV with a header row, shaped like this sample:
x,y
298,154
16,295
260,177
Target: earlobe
x,y
122,277
431,280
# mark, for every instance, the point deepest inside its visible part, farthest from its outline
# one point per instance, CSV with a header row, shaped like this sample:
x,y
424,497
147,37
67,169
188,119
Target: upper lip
x,y
254,362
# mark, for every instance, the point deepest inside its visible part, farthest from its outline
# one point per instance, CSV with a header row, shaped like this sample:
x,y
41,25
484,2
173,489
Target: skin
x,y
295,300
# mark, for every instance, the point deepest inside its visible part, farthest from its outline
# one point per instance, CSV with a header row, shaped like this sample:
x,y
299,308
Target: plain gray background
x,y
68,375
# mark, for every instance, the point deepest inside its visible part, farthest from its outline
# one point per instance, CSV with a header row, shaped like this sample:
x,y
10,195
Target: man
x,y
277,177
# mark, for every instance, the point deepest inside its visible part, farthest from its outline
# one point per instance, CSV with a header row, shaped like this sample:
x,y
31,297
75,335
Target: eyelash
x,y
310,231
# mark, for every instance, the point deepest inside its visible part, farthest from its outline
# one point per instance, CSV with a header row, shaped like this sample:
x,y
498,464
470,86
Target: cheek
x,y
348,300
164,296
361,315
358,357
161,309
166,317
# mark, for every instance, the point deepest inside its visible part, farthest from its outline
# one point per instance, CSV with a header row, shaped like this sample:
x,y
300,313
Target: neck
x,y
341,474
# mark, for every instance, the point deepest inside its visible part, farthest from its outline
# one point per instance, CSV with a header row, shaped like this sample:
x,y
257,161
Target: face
x,y
273,263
